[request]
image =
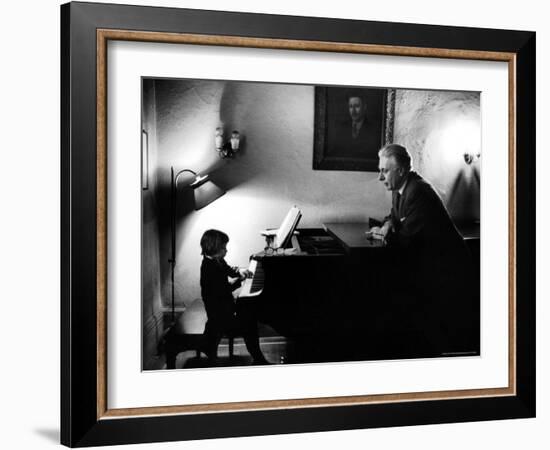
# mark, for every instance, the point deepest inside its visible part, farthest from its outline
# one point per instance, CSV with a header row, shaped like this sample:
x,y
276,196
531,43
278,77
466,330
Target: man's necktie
x,y
398,204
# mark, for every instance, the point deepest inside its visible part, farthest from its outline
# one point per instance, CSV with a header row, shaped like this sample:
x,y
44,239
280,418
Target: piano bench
x,y
187,333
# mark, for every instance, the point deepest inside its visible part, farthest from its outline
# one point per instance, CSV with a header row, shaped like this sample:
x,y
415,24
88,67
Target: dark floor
x,y
315,349
279,350
274,349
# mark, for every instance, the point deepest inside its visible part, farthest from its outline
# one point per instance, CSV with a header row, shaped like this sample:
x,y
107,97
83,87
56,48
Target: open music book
x,y
252,287
282,235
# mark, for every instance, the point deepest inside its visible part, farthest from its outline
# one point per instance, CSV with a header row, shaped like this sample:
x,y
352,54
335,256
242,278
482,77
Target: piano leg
x,y
231,342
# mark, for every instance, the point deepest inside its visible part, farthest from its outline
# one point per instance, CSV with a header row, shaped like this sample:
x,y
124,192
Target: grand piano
x,y
331,293
327,291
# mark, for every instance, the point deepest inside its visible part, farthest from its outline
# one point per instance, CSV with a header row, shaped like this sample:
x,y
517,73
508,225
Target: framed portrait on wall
x,y
127,216
351,125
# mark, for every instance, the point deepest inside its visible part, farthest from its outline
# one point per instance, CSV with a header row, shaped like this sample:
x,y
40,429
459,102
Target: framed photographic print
x,y
216,283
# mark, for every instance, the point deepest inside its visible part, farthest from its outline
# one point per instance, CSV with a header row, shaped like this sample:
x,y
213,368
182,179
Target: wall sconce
x,y
226,149
470,158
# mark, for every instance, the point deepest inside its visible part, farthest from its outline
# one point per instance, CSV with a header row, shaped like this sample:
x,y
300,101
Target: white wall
x,y
273,169
30,237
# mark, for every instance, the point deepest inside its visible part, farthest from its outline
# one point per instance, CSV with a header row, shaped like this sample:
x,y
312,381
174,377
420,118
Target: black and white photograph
x,y
252,256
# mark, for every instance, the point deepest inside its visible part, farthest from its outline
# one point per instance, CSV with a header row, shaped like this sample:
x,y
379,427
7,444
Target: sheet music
x,y
287,227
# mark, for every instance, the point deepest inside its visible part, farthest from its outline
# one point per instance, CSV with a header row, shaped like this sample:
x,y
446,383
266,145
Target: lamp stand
x,y
173,201
205,193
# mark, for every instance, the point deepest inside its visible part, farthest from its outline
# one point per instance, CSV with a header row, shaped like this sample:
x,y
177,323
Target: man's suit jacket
x,y
432,251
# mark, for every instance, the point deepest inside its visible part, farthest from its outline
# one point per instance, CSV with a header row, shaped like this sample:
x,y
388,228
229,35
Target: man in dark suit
x,y
432,261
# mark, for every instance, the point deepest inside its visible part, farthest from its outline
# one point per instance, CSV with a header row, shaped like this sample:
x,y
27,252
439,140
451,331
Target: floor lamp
x,y
204,192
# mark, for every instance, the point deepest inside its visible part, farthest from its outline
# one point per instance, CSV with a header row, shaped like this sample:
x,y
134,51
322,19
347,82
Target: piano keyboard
x,y
251,287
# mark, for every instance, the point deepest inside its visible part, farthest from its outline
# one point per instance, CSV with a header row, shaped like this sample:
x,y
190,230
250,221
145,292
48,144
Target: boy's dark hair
x,y
212,242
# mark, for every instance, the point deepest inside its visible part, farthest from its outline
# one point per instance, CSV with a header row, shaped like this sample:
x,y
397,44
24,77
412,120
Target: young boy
x,y
216,290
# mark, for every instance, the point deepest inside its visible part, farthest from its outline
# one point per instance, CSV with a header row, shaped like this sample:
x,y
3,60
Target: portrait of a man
x,y
351,125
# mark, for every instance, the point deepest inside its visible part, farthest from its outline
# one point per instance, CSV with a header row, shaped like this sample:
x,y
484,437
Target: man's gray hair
x,y
399,153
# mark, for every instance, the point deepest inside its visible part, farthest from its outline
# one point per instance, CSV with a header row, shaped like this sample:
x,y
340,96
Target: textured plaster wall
x,y
438,128
273,170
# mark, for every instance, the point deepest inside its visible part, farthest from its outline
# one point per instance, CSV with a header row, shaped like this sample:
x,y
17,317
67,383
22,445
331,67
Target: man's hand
x,y
386,228
374,233
379,232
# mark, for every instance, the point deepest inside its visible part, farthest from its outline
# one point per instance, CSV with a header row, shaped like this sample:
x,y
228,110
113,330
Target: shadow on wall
x,y
235,111
463,196
184,208
458,133
227,173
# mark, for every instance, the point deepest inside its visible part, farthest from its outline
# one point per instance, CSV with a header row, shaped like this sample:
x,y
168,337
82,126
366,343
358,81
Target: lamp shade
x,y
205,192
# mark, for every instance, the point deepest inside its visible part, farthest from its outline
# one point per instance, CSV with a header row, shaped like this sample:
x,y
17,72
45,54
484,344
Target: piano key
x,y
252,287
